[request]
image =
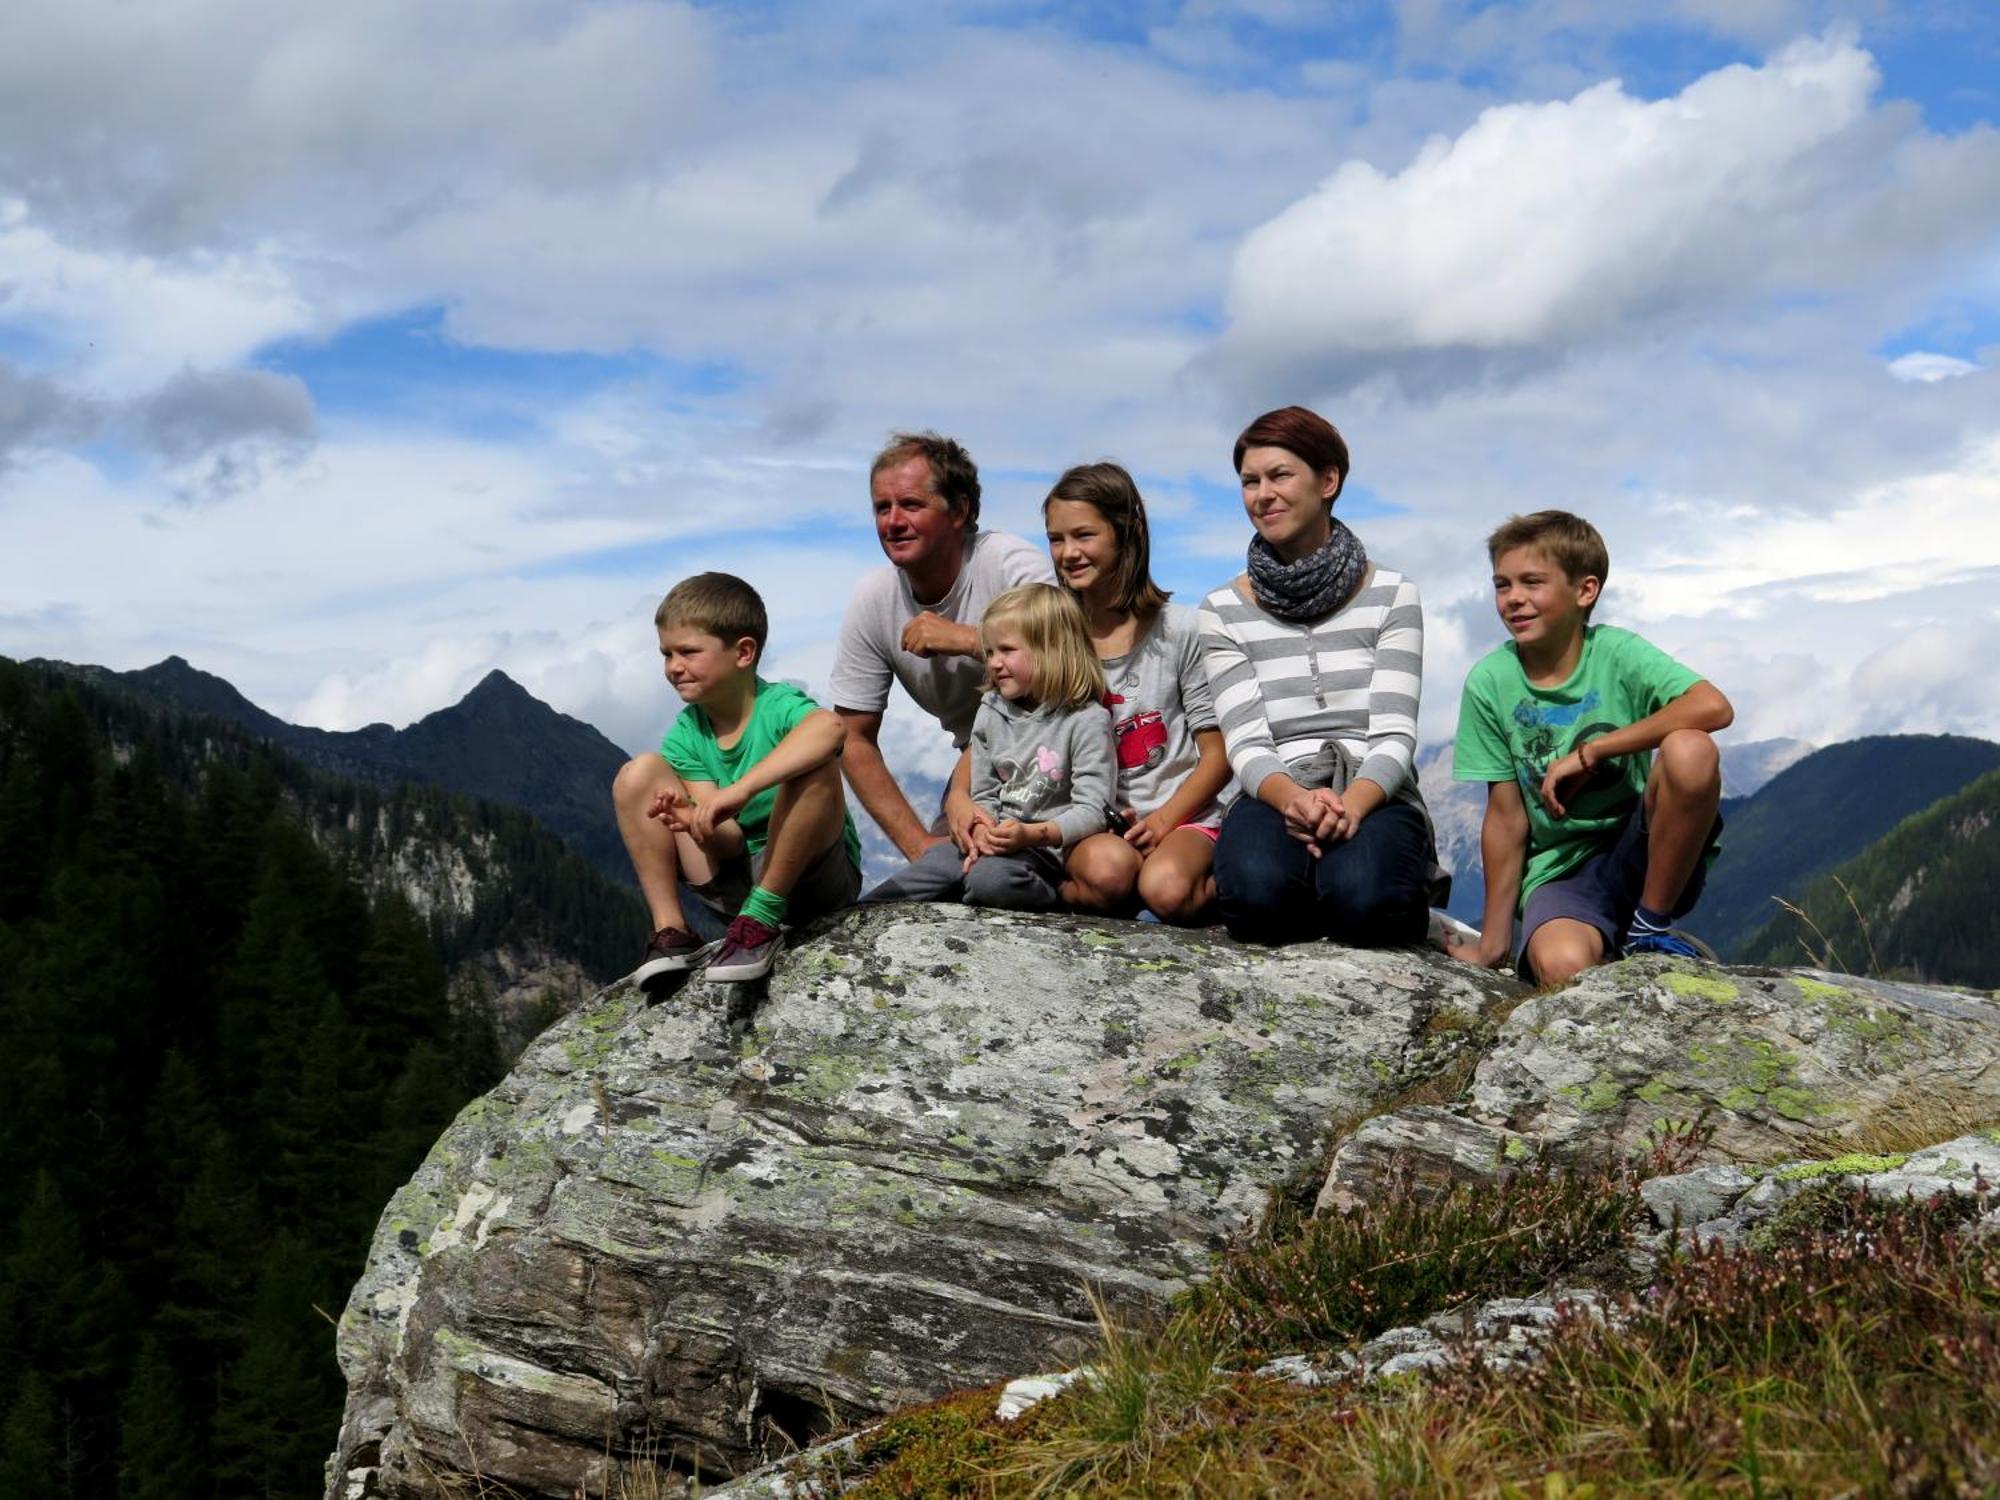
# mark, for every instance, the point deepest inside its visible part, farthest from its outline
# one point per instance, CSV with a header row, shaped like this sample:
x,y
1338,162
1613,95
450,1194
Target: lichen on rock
x,y
718,1223
1777,1065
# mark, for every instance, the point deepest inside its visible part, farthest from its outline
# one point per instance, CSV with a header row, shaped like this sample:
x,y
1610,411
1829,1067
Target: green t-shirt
x,y
691,749
1511,730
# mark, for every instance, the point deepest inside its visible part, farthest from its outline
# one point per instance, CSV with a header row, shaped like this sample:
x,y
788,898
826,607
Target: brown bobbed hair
x,y
1299,431
1068,675
1108,489
954,476
1568,541
717,604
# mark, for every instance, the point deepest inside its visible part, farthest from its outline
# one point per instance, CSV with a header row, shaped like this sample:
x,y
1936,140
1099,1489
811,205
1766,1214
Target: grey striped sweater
x,y
1283,690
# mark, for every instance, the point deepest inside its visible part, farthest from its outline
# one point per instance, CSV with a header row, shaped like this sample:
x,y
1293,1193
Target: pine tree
x,y
31,1465
158,1456
280,1400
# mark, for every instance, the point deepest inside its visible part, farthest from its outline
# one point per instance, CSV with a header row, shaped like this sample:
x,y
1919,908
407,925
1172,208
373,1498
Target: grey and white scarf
x,y
1314,586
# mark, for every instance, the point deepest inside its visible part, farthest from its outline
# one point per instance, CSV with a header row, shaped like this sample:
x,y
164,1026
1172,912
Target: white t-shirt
x,y
1159,696
871,651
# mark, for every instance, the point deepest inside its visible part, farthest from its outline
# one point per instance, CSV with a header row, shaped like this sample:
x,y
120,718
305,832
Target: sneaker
x,y
671,951
1672,944
1446,929
748,950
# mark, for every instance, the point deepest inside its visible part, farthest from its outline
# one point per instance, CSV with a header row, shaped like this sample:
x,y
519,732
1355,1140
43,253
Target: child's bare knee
x,y
1103,868
1557,957
641,776
1689,758
1169,893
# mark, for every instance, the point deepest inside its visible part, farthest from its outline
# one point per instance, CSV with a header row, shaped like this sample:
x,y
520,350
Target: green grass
x,y
1854,1350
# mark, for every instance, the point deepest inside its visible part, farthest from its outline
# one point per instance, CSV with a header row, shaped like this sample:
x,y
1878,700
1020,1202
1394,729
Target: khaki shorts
x,y
829,884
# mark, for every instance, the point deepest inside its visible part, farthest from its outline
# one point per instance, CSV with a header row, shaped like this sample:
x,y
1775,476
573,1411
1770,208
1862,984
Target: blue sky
x,y
352,352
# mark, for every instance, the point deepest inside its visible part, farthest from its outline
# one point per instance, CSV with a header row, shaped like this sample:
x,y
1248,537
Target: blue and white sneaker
x,y
1671,943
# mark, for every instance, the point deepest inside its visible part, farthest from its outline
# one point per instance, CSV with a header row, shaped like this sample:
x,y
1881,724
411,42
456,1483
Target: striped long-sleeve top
x,y
1283,690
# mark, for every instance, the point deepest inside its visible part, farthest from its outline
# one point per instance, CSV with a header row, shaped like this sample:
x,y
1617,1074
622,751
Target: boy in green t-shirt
x,y
1598,843
743,800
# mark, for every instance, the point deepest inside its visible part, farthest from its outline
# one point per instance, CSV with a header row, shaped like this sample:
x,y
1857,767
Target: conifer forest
x,y
225,1041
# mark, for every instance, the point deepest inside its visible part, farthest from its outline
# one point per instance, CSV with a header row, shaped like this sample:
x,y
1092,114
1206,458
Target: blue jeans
x,y
1373,891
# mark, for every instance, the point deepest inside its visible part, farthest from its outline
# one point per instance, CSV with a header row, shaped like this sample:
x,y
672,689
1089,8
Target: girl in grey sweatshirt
x,y
1042,764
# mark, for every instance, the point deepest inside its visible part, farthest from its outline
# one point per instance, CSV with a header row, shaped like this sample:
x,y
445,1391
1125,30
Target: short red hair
x,y
1299,431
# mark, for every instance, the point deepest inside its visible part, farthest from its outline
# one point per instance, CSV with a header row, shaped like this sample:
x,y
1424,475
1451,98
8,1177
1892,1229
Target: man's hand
x,y
1316,817
1144,834
962,815
933,635
1563,772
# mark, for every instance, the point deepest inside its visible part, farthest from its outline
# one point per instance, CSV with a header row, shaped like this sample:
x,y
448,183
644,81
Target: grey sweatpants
x,y
1028,881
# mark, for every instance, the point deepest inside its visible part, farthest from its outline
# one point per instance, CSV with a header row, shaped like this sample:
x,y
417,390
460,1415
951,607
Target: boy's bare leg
x,y
1562,947
1177,881
1682,796
660,857
1100,874
808,818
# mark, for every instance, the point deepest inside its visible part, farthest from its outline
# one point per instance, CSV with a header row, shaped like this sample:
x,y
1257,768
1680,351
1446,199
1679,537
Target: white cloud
x,y
129,320
1930,368
1545,225
1020,237
190,119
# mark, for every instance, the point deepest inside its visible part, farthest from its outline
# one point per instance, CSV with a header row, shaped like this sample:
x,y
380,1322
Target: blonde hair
x,y
1067,673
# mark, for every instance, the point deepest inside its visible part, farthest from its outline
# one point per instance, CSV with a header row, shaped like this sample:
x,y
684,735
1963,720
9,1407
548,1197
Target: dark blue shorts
x,y
1604,890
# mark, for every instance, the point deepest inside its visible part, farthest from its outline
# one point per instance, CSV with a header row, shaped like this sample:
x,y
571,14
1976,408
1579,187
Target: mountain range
x,y
1793,812
499,742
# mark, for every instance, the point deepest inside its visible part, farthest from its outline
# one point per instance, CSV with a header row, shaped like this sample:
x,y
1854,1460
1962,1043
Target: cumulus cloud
x,y
371,108
1546,226
1930,368
35,412
127,320
1022,235
222,429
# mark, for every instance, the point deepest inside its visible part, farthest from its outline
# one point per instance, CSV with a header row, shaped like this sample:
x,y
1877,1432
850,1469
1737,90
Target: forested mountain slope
x,y
499,742
1918,903
226,1035
1825,808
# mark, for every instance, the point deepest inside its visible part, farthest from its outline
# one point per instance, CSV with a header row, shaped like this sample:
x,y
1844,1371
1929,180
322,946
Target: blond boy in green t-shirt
x,y
1595,840
743,800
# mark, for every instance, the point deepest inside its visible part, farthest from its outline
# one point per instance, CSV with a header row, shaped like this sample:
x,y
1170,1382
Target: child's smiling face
x,y
1008,661
1540,604
1081,544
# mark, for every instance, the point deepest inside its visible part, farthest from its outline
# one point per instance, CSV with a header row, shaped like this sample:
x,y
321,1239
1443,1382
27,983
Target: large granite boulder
x,y
1777,1065
709,1227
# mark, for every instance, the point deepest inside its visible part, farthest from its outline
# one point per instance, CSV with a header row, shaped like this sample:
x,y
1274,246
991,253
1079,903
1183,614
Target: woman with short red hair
x,y
1315,654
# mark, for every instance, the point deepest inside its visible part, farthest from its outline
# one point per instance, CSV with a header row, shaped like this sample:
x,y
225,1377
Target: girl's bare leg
x,y
1177,880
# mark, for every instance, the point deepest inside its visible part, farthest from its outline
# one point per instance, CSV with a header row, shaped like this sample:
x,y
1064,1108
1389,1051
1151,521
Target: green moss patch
x,y
1841,1166
1710,987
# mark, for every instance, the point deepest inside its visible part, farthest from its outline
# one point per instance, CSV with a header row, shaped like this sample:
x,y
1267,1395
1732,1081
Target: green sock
x,y
766,906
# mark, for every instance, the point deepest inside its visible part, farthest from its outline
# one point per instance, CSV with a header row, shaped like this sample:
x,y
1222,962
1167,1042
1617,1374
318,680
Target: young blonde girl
x,y
1173,772
1042,773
